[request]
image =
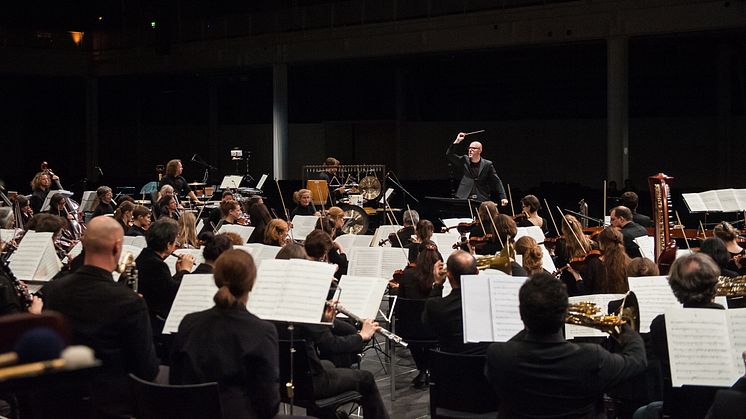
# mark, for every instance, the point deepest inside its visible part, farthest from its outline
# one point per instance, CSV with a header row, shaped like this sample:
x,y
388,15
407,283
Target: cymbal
x,y
197,184
370,187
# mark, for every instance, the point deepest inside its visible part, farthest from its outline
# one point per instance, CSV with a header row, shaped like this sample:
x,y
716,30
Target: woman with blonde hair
x,y
123,215
606,274
305,204
187,237
276,233
531,253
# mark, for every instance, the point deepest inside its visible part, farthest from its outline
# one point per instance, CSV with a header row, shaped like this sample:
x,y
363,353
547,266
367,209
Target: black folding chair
x,y
160,401
458,387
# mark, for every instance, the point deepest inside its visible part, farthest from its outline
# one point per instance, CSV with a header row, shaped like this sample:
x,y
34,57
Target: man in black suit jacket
x,y
537,373
631,200
443,314
479,178
106,316
621,217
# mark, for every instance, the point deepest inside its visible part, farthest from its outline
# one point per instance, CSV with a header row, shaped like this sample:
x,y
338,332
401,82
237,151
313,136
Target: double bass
x,y
77,225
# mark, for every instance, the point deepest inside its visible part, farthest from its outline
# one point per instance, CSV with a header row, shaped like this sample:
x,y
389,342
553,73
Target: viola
x,y
579,263
462,228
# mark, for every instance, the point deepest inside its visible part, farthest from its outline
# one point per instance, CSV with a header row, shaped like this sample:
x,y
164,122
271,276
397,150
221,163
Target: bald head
x,y
460,263
475,151
102,236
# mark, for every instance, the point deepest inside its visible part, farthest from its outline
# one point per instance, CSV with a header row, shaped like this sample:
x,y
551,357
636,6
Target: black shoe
x,y
422,380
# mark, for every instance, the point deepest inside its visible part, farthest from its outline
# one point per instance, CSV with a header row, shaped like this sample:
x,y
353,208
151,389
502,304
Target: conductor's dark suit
x,y
480,187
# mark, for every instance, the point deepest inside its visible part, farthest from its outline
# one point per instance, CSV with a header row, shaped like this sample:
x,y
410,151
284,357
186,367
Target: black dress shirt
x,y
136,230
156,284
112,320
103,209
630,232
180,185
236,349
301,210
443,316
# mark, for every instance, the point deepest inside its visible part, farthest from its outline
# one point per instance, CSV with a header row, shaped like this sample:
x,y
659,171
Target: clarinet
x,y
395,338
128,270
20,288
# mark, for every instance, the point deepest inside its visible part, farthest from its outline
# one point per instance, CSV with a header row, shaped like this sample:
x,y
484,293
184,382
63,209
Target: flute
x,y
397,339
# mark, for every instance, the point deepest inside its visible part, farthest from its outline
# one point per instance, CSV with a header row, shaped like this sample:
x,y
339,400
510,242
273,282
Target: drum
x,y
356,220
356,200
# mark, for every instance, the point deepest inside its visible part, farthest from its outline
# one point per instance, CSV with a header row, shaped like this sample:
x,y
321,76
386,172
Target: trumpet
x,y
502,262
386,333
731,287
589,314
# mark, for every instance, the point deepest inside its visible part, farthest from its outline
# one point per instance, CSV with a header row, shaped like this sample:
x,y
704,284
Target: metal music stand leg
x,y
290,385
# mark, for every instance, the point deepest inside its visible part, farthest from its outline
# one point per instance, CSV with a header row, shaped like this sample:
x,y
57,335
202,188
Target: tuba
x,y
589,314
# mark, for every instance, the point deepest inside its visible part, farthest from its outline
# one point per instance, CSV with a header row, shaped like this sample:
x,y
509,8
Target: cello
x,y
77,226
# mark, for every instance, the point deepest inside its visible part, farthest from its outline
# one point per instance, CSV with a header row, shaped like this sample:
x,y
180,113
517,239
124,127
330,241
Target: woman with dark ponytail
x,y
231,346
214,246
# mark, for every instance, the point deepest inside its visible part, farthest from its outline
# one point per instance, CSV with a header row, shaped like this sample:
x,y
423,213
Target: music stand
x,y
319,191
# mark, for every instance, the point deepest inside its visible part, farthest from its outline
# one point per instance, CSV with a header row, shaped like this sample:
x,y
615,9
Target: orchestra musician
x,y
26,211
729,235
260,217
423,233
173,177
531,253
486,211
631,201
403,237
229,345
231,212
187,237
276,233
538,373
14,294
40,186
621,218
214,246
216,214
530,206
320,247
479,178
110,318
716,249
416,282
103,203
304,203
123,215
329,174
574,246
607,273
140,221
168,207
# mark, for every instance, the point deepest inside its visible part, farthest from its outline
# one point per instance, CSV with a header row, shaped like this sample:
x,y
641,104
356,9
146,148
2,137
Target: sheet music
x,y
546,260
135,252
49,264
694,202
231,182
392,258
654,296
737,328
573,331
262,179
291,290
700,348
711,201
365,261
86,203
26,260
361,295
493,294
647,246
137,241
348,241
740,197
534,232
475,304
195,294
303,225
260,252
50,194
445,242
196,254
7,234
728,200
243,231
506,319
382,232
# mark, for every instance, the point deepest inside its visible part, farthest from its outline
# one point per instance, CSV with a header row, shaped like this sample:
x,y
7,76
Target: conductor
x,y
479,178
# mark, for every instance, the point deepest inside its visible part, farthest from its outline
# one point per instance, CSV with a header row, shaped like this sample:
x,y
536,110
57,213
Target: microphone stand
x,y
406,192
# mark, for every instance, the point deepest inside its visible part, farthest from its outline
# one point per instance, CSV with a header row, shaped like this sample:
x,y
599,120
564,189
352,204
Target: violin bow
x,y
549,210
284,208
510,196
683,232
398,239
494,229
573,231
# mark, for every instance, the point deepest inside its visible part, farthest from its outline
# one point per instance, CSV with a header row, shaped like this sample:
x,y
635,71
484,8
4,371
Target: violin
x,y
579,263
462,228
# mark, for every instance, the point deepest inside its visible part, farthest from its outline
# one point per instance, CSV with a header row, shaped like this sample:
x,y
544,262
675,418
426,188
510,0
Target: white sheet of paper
x,y
700,348
260,252
534,232
392,258
135,252
291,290
138,241
740,197
573,331
7,234
728,200
348,241
231,182
35,259
453,222
546,260
490,307
694,202
86,203
196,254
647,246
475,304
380,262
506,319
200,225
654,296
445,242
75,251
195,294
711,201
361,295
382,232
243,231
737,326
303,225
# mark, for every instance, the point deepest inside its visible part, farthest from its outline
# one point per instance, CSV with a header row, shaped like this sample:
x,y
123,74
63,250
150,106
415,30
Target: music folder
x,y
50,194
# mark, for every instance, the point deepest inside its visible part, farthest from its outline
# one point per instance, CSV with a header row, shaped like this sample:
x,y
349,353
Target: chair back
x,y
409,323
160,401
13,326
458,387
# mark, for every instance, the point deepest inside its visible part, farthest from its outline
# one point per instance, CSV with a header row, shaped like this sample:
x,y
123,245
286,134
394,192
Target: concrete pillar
x,y
280,120
617,105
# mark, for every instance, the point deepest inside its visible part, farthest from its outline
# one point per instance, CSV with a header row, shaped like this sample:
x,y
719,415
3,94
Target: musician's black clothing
x,y
301,210
630,232
215,216
257,236
479,179
37,199
642,220
339,259
113,321
729,403
10,301
409,288
527,223
157,285
546,376
135,231
103,209
329,380
237,350
180,185
443,316
203,268
686,401
402,238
